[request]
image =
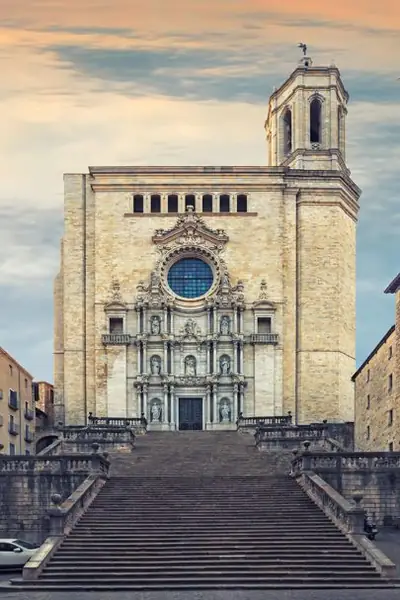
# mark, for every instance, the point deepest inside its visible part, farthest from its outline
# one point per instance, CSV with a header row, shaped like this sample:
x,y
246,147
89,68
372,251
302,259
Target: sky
x,y
164,82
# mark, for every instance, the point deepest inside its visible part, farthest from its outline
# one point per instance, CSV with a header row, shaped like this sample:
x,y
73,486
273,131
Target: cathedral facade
x,y
193,294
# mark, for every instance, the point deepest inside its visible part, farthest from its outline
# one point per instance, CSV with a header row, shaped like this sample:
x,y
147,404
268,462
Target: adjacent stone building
x,y
17,414
191,294
377,394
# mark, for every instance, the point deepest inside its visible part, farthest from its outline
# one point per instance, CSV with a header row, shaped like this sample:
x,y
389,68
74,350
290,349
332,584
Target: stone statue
x,y
224,325
190,327
225,365
155,412
225,411
190,366
155,326
155,365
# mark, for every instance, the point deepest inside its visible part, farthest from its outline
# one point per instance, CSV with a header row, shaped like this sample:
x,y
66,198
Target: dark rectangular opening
x,y
138,204
190,200
224,203
264,324
116,325
242,203
207,203
191,414
173,203
155,203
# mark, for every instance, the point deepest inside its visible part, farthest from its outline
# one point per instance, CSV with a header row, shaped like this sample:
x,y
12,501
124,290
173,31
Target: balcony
x,y
29,414
264,338
13,400
116,339
28,437
13,429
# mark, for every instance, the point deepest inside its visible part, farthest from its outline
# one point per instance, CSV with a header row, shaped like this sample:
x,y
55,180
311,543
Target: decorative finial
x,y
190,208
303,47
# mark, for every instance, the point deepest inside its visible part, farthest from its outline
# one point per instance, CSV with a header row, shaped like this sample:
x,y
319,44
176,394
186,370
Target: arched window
x,y
224,203
315,121
155,203
190,200
138,203
287,132
207,203
172,203
242,203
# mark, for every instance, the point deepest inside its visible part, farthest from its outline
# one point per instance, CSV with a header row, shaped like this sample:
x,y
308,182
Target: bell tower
x,y
305,125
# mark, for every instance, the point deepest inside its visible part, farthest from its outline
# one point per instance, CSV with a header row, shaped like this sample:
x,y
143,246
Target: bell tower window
x,y
287,132
207,203
155,203
315,121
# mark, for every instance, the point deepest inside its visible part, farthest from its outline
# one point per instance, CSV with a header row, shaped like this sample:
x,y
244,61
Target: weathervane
x,y
303,47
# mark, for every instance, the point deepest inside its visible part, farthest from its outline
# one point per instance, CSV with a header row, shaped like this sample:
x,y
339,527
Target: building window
x,y
138,203
315,121
26,384
190,277
13,399
190,200
390,417
391,447
116,325
390,382
390,352
10,369
224,203
173,203
12,449
242,203
368,401
1,394
207,203
368,432
368,375
155,203
287,131
264,325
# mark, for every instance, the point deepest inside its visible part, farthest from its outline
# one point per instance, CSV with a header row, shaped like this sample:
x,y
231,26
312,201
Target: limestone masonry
x,y
191,294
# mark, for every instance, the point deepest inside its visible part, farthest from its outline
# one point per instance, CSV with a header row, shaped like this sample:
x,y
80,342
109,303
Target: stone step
x,y
347,562
298,545
215,583
212,536
173,528
190,571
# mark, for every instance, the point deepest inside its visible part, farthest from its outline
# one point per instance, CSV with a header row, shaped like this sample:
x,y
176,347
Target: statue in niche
x,y
190,366
155,411
155,365
190,327
155,325
225,411
225,365
225,325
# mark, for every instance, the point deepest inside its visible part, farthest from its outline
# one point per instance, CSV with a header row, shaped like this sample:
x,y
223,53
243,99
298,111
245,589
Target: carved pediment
x,y
263,301
115,303
115,307
190,230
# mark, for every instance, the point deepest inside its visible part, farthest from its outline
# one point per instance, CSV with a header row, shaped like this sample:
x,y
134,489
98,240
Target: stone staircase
x,y
203,510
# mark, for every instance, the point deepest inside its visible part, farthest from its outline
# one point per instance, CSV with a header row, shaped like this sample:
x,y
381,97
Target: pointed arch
x,y
316,120
287,131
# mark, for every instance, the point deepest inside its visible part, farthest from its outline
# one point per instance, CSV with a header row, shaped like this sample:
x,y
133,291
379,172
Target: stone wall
x,y
26,487
374,399
376,475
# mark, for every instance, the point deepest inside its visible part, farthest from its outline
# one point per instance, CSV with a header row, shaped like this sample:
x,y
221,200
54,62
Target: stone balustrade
x,y
289,437
254,422
336,462
138,424
53,464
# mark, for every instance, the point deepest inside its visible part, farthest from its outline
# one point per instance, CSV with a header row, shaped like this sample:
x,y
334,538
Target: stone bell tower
x,y
306,120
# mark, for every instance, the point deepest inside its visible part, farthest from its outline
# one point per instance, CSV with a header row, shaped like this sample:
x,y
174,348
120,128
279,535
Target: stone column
x,y
209,405
215,319
240,366
144,356
172,348
235,402
165,370
234,366
215,404
235,321
208,357
215,202
172,320
198,202
139,351
138,311
215,368
145,400
138,400
173,411
165,324
165,410
232,202
240,328
181,203
144,320
241,398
